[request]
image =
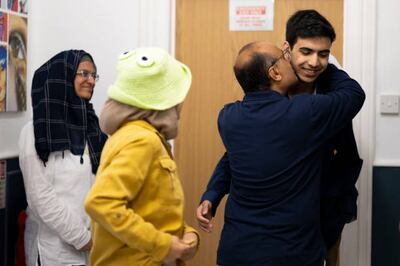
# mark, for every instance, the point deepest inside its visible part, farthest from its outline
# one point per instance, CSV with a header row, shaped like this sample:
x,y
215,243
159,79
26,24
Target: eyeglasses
x,y
285,55
86,75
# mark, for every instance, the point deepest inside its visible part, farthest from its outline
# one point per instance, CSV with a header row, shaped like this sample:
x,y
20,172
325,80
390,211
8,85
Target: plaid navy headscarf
x,y
61,119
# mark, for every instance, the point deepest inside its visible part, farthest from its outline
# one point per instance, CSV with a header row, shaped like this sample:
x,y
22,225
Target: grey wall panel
x,y
385,217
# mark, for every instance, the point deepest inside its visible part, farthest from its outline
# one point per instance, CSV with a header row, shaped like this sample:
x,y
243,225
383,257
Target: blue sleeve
x,y
347,155
342,102
343,173
219,184
348,164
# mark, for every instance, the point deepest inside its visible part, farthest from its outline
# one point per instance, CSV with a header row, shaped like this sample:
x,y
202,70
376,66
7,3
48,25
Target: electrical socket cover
x,y
389,104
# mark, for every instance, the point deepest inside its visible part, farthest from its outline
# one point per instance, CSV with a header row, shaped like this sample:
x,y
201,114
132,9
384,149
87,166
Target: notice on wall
x,y
3,172
251,15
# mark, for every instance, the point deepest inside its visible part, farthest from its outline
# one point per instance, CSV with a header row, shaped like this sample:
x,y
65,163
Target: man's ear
x,y
285,46
274,73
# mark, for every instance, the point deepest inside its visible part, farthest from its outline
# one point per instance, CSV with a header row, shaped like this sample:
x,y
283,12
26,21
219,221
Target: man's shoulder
x,y
230,106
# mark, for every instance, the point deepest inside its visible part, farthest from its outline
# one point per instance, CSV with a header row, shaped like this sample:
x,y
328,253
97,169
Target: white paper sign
x,y
251,15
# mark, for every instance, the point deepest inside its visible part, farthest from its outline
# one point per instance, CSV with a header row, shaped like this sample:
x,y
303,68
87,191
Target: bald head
x,y
252,64
250,50
253,68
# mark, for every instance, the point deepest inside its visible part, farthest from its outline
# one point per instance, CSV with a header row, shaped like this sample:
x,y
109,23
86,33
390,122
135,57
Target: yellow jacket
x,y
136,203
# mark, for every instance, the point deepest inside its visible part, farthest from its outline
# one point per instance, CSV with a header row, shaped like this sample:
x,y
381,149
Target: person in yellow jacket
x,y
136,204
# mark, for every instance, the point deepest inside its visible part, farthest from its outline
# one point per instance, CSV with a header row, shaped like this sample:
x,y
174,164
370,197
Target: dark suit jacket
x,y
275,149
341,169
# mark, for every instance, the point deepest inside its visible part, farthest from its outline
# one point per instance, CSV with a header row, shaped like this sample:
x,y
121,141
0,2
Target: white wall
x,y
387,81
103,28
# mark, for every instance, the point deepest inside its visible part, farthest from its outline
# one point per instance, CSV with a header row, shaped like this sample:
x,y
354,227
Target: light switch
x,y
389,104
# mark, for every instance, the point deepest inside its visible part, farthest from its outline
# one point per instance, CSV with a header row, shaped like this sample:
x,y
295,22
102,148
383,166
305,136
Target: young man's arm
x,y
348,163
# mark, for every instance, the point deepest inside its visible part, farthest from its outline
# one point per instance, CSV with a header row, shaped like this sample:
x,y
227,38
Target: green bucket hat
x,y
149,78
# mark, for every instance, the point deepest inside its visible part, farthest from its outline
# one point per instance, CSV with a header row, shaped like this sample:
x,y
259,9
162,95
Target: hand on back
x,y
204,216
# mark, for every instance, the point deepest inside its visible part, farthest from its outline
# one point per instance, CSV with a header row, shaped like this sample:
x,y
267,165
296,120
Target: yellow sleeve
x,y
118,183
188,229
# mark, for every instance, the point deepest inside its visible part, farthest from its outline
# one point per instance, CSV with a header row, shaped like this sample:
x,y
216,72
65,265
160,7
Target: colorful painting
x,y
3,26
3,4
23,6
12,5
13,55
16,70
3,77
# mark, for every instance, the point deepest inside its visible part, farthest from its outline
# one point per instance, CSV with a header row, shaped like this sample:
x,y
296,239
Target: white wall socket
x,y
389,104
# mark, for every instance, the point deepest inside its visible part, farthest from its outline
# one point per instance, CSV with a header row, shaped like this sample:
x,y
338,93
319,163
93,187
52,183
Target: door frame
x,y
359,57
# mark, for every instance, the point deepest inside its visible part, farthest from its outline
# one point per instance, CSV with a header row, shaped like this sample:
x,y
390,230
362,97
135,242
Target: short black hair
x,y
308,24
252,76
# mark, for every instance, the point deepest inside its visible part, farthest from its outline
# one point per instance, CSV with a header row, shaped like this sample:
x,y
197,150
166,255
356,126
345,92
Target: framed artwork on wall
x,y
13,55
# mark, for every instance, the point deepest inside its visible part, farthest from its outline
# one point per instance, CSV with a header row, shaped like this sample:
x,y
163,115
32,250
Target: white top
x,y
57,225
332,60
